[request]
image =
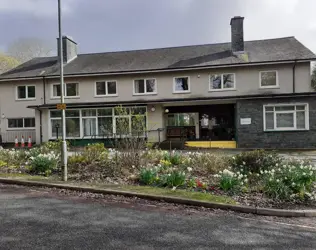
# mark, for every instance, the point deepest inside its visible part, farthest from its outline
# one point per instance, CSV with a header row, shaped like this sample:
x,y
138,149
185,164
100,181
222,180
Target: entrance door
x,y
122,125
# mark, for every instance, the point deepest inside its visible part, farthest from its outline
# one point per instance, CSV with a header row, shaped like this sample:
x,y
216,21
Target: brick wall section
x,y
253,136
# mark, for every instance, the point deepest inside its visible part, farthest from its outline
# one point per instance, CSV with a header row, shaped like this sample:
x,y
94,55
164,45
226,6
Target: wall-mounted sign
x,y
245,121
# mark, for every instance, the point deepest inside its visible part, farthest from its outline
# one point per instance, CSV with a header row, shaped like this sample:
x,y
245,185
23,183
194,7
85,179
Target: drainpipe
x,y
294,66
44,89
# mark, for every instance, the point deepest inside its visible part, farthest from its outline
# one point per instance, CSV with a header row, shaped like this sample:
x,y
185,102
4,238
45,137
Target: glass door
x,y
89,126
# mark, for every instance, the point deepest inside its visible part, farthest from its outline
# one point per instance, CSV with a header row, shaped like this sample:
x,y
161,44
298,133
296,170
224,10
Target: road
x,y
33,219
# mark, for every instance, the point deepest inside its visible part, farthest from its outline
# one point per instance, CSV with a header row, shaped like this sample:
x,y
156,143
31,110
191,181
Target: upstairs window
x,y
222,81
286,117
25,92
181,84
269,79
107,88
145,86
71,90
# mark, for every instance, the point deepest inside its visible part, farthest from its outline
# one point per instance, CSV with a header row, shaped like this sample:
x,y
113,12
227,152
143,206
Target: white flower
x,y
277,180
293,184
246,180
189,169
133,166
276,164
174,188
258,175
244,163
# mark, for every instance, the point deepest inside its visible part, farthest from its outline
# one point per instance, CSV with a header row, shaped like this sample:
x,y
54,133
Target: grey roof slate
x,y
271,50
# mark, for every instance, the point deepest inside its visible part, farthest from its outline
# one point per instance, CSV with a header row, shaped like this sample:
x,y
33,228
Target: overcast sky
x,y
110,25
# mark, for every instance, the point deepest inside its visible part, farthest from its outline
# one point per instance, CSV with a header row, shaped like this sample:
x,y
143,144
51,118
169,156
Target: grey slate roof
x,y
271,50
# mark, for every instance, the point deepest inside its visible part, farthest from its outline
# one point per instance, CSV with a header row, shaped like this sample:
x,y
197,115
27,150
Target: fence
x,y
9,136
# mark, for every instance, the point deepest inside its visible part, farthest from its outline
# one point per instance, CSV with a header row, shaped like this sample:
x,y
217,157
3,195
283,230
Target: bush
x,y
289,181
206,163
175,158
230,181
95,152
43,164
148,176
174,179
255,161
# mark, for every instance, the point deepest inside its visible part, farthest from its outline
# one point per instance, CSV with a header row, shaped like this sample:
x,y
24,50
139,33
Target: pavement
x,y
34,219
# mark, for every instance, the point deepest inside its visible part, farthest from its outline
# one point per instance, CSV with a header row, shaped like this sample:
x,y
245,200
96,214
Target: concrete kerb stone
x,y
169,199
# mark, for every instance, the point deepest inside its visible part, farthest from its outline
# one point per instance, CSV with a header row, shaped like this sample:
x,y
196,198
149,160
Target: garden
x,y
256,178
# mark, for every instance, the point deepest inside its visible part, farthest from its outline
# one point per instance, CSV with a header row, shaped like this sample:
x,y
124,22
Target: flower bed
x,y
256,178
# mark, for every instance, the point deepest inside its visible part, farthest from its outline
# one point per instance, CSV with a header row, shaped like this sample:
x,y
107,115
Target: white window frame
x,y
26,93
106,89
21,128
65,91
294,128
181,91
145,86
269,87
222,87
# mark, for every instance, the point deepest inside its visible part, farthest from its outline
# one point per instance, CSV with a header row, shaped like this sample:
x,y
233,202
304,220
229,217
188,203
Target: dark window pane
x,y
284,108
100,88
182,84
139,86
72,89
55,113
300,120
72,113
105,125
285,120
268,79
150,85
269,121
29,122
89,112
31,91
21,92
216,81
56,90
111,88
15,123
72,127
54,125
105,112
228,81
138,111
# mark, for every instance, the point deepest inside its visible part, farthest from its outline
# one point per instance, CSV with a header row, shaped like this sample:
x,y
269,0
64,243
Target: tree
x,y
25,49
7,63
314,78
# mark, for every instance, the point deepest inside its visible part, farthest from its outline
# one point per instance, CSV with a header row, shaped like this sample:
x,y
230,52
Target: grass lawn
x,y
133,188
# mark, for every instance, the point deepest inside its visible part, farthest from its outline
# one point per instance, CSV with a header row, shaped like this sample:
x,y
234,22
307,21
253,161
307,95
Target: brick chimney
x,y
69,48
237,29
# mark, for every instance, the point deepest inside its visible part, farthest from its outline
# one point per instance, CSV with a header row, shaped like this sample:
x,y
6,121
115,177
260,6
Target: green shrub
x,y
174,157
95,152
230,181
255,161
43,164
174,179
148,176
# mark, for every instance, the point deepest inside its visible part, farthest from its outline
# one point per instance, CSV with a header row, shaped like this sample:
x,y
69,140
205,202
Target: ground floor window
x,y
286,117
102,122
16,123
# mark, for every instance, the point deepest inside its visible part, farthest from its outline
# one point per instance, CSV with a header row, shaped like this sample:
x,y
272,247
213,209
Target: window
x,y
145,86
268,79
181,85
100,123
71,90
25,92
181,119
21,123
222,82
107,88
286,117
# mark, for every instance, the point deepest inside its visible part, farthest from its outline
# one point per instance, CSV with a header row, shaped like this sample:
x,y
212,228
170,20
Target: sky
x,y
113,25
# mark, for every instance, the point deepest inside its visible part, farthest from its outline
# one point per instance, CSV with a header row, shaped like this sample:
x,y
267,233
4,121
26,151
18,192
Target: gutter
x,y
44,90
163,69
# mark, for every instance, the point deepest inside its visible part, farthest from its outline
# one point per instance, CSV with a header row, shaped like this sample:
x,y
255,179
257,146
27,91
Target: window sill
x,y
181,92
26,99
102,96
220,90
16,129
137,94
66,97
269,87
285,130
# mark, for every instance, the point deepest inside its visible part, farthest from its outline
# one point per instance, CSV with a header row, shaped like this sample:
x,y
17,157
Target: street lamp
x,y
62,99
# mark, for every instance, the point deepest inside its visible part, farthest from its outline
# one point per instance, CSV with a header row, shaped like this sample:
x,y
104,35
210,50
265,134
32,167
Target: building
x,y
252,94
